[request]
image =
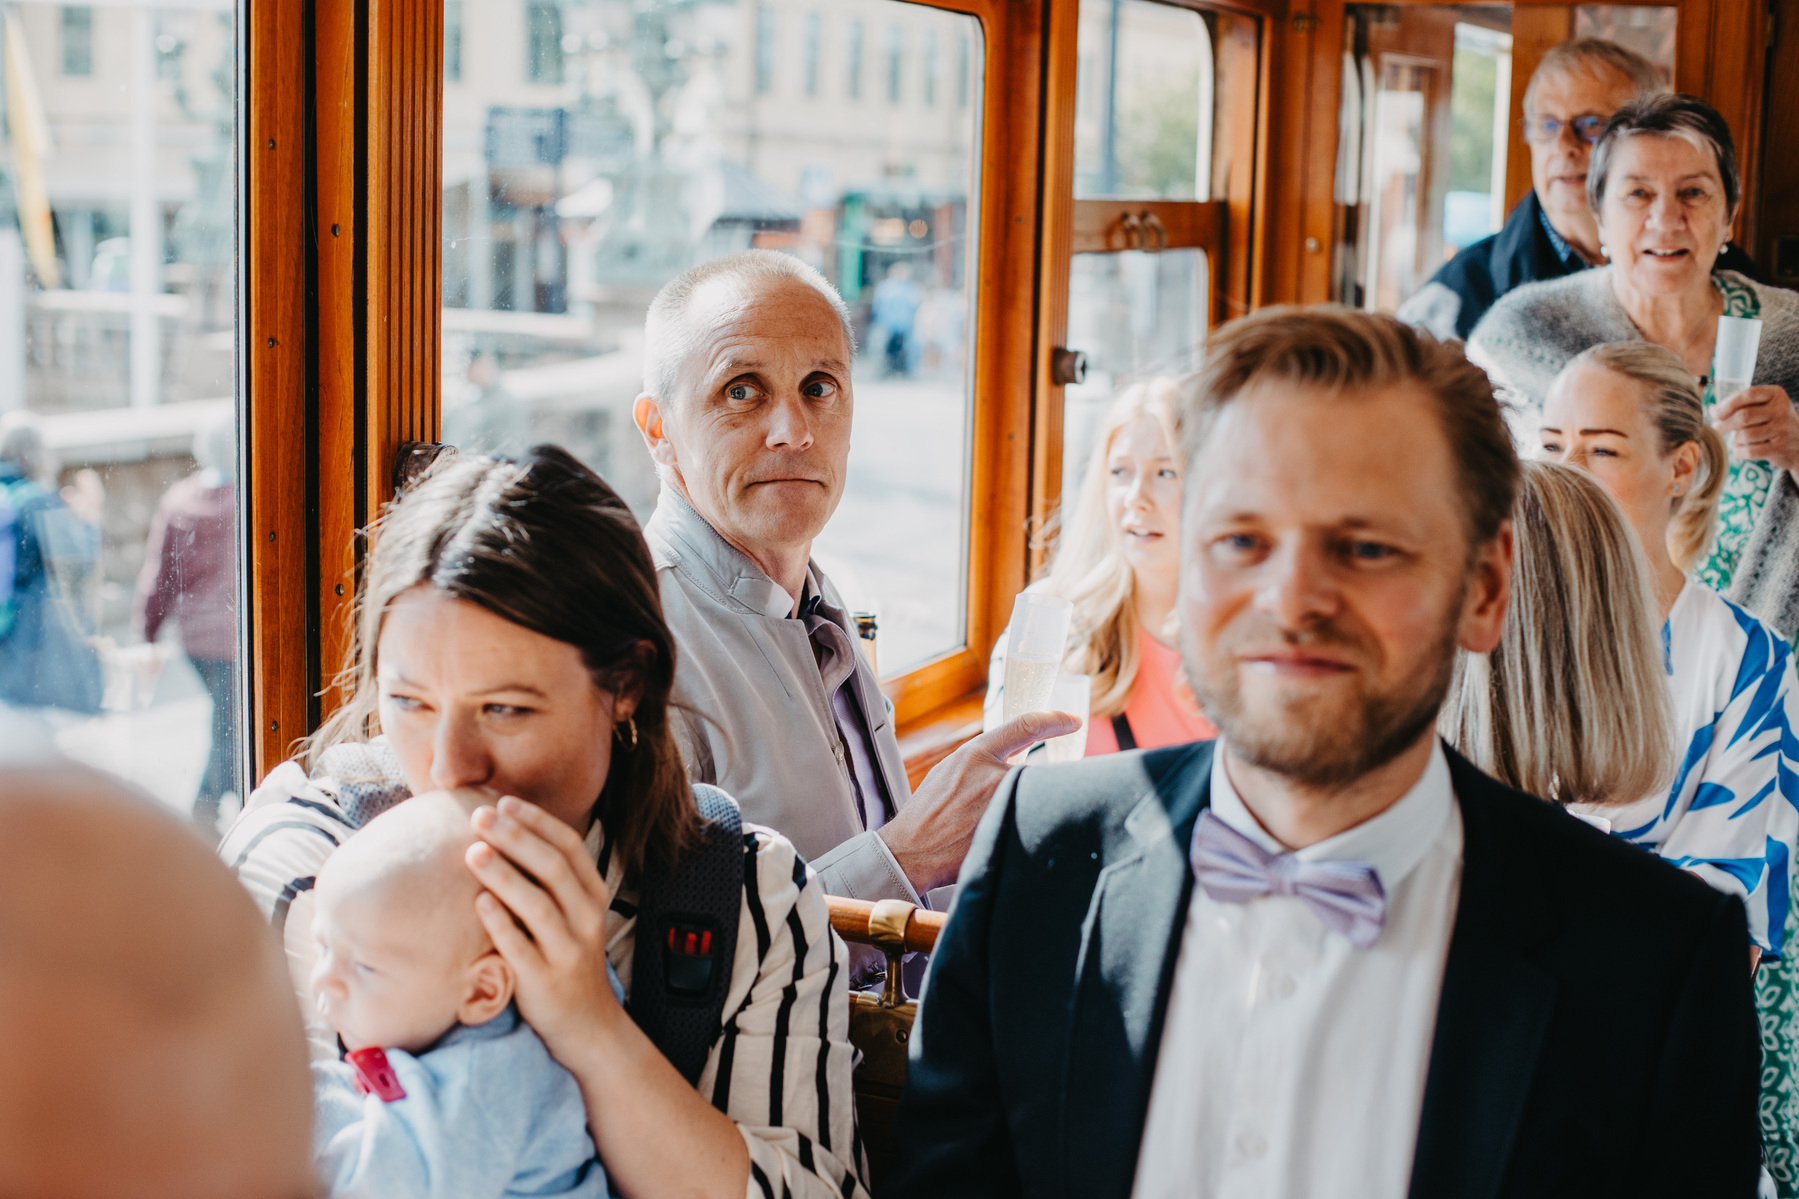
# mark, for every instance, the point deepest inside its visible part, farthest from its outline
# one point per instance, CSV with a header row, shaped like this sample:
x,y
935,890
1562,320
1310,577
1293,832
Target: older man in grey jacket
x,y
746,411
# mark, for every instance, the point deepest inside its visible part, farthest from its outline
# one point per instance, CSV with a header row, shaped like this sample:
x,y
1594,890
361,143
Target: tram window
x,y
673,140
1136,315
1143,101
118,446
1429,155
1646,28
1160,99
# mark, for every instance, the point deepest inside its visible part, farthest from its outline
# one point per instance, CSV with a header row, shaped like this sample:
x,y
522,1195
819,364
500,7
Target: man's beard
x,y
1317,743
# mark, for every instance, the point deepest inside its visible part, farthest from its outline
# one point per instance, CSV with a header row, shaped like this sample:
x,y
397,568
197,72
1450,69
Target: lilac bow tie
x,y
1347,896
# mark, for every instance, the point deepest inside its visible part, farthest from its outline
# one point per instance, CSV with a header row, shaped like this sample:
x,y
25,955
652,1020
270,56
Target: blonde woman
x,y
1117,559
1630,413
1547,711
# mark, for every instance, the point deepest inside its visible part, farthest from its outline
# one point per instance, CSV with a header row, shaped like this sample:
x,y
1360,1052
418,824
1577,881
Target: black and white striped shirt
x,y
781,1067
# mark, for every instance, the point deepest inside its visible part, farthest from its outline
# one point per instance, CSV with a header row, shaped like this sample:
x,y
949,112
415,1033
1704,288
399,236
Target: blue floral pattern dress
x,y
1777,983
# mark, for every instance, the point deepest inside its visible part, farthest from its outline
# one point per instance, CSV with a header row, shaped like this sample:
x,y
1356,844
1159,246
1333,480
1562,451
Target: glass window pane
x,y
1136,315
118,447
681,132
1143,101
1426,125
1646,28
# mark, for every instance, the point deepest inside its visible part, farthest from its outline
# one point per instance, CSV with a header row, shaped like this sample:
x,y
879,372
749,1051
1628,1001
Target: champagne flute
x,y
1034,649
1733,361
1073,694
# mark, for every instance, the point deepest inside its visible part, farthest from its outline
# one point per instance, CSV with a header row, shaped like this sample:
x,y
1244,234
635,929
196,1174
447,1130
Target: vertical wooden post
x,y
1534,32
341,341
274,357
1061,68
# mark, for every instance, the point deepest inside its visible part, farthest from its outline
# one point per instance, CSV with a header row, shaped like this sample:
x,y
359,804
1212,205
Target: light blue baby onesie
x,y
488,1114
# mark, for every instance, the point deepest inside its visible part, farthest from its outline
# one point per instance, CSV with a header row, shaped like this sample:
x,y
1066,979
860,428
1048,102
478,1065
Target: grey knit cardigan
x,y
1530,334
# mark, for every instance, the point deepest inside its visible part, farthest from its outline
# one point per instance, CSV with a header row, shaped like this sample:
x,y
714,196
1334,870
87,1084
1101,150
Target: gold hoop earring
x,y
630,722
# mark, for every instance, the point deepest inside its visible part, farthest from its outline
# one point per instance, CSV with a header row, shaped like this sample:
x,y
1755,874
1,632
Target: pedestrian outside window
x,y
660,149
119,593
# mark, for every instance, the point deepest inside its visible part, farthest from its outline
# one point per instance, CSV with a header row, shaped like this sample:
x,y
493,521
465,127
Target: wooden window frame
x,y
937,705
341,296
340,287
342,104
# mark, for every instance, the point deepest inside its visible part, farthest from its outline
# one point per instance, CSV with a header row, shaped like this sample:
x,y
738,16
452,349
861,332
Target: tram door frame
x,y
1224,227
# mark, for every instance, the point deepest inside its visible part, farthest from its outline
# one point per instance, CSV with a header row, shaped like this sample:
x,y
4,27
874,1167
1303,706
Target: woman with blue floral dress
x,y
1664,185
1631,414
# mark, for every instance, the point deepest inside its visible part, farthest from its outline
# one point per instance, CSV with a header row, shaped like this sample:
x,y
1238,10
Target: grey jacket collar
x,y
681,538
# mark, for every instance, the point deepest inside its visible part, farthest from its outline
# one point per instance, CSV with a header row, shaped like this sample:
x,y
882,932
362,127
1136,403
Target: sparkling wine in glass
x,y
1034,649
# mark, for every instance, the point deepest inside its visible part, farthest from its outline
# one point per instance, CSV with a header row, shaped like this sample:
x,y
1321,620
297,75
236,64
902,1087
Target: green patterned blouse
x,y
1747,488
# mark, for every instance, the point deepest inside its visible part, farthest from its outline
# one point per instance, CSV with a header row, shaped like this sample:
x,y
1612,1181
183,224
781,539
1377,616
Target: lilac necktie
x,y
1347,896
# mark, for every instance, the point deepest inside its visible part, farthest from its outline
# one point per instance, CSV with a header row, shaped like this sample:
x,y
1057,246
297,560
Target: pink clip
x,y
374,1076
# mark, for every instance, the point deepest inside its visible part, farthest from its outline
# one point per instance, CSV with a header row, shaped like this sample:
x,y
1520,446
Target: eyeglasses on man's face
x,y
1543,130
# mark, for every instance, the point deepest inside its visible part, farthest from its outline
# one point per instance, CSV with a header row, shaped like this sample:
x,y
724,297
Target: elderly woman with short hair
x,y
1663,183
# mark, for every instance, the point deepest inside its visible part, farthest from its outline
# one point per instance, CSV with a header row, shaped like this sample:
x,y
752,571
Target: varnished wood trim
x,y
928,740
274,363
1776,205
1245,46
851,918
1058,216
404,233
1004,305
1308,48
336,233
1534,31
1721,55
320,463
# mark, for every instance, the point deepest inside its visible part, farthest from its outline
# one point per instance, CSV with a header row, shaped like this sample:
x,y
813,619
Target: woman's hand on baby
x,y
559,955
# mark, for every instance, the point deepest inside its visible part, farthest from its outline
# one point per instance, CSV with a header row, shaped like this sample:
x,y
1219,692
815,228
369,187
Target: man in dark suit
x,y
1324,957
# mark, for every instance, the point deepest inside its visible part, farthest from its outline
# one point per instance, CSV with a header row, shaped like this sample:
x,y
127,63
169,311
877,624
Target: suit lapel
x,y
1129,942
1494,1011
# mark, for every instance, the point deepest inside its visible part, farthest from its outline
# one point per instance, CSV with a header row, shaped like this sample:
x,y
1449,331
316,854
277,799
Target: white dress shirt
x,y
1292,1064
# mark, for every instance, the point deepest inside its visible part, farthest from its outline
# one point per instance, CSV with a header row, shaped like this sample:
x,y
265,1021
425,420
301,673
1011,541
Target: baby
x,y
445,1090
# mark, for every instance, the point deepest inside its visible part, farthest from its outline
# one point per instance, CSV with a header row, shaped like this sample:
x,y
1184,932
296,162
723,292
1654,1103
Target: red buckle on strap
x,y
374,1076
690,942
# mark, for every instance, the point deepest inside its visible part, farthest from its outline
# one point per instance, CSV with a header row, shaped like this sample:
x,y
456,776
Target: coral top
x,y
1162,710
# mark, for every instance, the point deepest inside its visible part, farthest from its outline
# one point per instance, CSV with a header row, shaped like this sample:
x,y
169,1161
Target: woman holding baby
x,y
510,638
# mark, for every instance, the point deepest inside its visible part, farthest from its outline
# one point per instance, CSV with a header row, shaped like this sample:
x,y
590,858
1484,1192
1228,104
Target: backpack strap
x,y
1121,729
686,939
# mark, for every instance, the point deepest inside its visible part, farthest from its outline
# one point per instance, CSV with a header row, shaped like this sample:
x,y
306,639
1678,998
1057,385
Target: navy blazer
x,y
1596,1034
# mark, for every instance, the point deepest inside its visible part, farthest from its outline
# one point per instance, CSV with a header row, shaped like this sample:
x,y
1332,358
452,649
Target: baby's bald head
x,y
151,1042
411,858
402,955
